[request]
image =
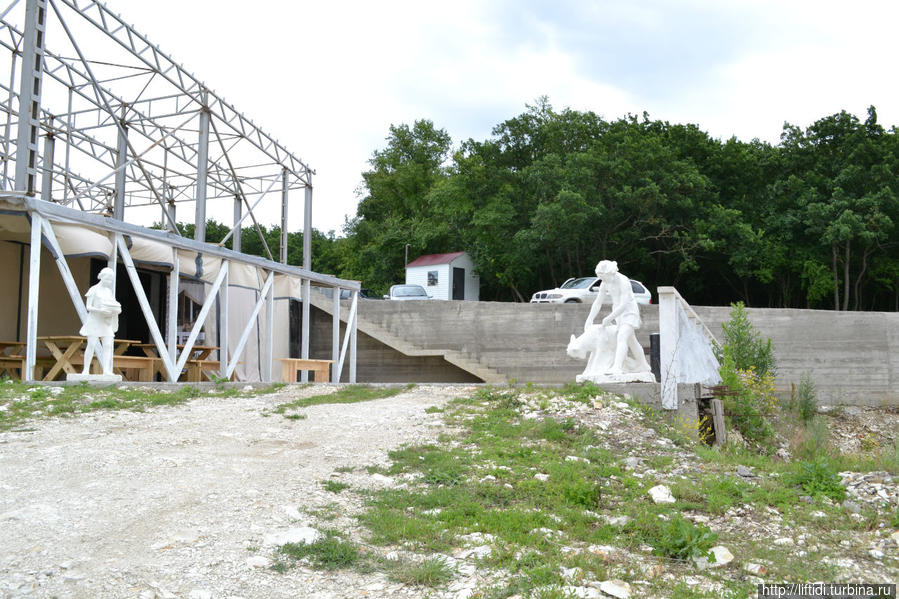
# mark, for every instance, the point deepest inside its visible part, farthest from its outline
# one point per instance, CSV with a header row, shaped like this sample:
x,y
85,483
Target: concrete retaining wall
x,y
853,357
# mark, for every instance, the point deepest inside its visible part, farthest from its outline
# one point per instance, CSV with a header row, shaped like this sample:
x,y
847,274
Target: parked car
x,y
583,289
407,292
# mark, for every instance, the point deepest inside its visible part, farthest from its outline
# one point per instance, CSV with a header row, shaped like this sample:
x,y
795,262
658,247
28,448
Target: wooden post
x,y
718,422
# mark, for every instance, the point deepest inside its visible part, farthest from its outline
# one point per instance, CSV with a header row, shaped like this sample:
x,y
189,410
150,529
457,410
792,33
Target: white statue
x,y
615,355
100,326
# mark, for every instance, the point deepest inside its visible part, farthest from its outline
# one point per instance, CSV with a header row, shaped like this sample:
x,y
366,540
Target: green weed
x,y
334,486
330,552
430,572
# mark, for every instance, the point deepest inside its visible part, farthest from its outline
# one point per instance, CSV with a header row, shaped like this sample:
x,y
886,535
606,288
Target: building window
x,y
432,278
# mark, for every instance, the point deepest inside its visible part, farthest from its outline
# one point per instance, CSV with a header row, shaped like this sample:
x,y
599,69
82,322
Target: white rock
x,y
722,556
616,588
818,514
200,594
603,551
489,479
300,536
755,569
292,512
784,541
380,478
876,553
257,561
581,592
574,458
541,476
895,537
661,494
617,520
464,593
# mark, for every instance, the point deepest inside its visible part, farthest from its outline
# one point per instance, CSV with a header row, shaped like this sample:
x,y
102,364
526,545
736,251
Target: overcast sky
x,y
327,79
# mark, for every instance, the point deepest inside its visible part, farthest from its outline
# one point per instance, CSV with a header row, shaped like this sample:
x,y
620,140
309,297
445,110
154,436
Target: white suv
x,y
580,290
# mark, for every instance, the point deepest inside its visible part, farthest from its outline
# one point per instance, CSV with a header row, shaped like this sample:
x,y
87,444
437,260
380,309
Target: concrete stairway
x,y
396,340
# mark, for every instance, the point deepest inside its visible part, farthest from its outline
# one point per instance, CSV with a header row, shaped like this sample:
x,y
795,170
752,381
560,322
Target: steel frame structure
x,y
124,126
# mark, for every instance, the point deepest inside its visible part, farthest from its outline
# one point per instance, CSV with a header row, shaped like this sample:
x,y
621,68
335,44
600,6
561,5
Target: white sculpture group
x,y
612,351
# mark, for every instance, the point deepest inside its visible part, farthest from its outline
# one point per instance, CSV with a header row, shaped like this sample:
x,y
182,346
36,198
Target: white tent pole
x,y
304,338
249,326
352,333
350,325
269,331
172,324
201,318
223,327
145,308
335,334
34,283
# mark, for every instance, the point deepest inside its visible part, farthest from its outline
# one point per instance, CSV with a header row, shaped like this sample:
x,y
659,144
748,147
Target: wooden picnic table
x,y
195,367
68,353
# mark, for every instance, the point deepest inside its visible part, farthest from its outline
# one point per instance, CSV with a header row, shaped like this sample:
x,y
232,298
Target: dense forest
x,y
808,223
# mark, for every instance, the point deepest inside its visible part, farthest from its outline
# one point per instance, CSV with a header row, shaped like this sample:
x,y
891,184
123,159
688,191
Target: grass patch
x,y
429,572
330,552
21,402
334,486
348,394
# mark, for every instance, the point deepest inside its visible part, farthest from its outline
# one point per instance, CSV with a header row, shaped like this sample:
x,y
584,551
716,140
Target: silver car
x,y
407,292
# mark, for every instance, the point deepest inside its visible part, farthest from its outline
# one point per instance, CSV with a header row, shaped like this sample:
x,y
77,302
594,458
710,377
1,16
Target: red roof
x,y
431,259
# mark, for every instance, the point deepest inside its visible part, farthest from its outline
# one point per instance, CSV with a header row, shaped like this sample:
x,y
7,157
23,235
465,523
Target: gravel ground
x,y
184,501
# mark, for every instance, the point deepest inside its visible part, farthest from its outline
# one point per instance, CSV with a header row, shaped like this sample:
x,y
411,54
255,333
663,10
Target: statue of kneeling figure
x,y
613,353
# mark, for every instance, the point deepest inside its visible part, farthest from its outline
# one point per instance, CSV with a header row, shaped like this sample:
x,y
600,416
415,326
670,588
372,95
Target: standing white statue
x,y
615,355
100,326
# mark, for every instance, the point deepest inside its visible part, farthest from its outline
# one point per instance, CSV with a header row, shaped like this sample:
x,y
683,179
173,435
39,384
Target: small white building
x,y
445,276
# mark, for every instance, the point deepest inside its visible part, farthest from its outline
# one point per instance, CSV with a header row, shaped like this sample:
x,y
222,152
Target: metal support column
x,y
172,320
118,210
223,326
304,341
30,95
47,179
307,229
352,333
307,287
202,173
235,240
335,334
269,352
284,216
34,283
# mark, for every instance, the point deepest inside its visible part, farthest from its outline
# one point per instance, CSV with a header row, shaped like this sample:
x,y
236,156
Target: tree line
x,y
807,223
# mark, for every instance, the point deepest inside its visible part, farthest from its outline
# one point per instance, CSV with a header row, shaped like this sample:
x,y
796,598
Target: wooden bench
x,y
142,366
198,371
290,366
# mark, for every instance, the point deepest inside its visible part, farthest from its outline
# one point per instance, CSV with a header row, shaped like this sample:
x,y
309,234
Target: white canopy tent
x,y
238,303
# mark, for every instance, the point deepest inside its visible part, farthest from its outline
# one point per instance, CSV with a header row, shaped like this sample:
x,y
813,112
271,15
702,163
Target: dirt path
x,y
178,501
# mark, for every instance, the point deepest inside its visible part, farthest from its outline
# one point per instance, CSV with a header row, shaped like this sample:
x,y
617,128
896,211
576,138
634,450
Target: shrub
x,y
747,349
750,401
818,477
681,539
807,398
